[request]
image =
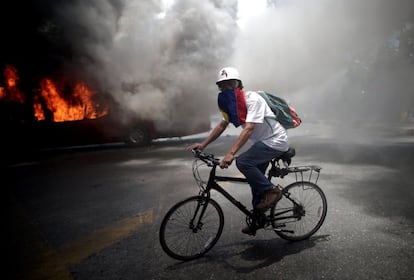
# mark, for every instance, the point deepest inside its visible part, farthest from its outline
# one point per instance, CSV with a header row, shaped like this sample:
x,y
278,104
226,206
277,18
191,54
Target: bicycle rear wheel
x,y
191,228
301,211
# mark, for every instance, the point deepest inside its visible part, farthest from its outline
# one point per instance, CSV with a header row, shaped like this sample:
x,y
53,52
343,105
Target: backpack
x,y
285,114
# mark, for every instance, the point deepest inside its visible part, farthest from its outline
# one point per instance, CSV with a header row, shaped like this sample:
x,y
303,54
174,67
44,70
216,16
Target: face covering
x,y
232,105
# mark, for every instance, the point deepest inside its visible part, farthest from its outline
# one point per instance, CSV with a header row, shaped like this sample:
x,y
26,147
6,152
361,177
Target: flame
x,y
78,105
11,91
84,94
38,110
2,93
78,108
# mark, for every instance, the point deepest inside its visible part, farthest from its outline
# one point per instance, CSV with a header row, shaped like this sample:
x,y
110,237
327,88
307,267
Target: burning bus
x,y
55,114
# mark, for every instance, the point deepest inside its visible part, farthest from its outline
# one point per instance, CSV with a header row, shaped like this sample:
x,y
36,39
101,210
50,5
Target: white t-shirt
x,y
267,129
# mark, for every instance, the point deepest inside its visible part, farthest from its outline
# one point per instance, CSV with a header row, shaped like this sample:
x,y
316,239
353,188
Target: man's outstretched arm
x,y
215,133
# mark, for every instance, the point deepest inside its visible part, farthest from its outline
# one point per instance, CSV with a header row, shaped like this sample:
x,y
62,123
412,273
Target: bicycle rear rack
x,y
301,172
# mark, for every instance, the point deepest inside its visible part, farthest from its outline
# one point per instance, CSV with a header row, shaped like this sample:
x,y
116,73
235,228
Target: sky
x,y
161,58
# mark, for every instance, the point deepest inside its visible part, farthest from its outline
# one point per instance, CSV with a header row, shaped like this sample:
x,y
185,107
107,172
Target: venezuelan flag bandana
x,y
232,105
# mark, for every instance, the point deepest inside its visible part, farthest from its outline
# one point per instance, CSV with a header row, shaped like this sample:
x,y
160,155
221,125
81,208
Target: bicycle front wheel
x,y
301,211
191,228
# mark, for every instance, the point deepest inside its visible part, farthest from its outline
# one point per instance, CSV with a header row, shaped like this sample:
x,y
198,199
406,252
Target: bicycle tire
x,y
177,235
311,199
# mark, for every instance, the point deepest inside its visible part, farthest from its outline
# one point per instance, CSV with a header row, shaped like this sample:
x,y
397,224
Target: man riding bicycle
x,y
249,110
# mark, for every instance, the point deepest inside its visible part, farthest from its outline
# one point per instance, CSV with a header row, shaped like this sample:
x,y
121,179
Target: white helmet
x,y
228,73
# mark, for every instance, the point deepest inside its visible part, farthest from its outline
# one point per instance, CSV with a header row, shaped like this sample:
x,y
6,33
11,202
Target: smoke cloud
x,y
156,60
159,59
334,60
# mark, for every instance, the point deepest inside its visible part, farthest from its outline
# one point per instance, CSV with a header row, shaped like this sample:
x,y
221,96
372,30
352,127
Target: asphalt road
x,y
94,213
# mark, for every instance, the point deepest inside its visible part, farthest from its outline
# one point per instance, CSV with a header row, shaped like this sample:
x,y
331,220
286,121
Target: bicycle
x,y
193,226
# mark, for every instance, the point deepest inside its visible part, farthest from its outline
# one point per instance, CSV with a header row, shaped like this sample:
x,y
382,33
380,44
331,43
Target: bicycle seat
x,y
287,156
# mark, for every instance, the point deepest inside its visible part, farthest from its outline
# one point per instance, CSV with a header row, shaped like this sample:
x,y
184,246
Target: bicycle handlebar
x,y
209,159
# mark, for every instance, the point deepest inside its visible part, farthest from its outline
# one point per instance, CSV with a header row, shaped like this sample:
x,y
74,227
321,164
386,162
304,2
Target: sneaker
x,y
272,196
250,230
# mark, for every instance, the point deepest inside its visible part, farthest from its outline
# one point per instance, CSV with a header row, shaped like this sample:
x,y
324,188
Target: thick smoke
x,y
334,60
156,59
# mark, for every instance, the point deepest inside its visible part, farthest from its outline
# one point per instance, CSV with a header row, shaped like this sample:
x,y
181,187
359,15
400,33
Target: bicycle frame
x,y
213,185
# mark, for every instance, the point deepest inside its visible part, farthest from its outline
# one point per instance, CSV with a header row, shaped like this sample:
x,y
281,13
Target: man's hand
x,y
226,161
197,146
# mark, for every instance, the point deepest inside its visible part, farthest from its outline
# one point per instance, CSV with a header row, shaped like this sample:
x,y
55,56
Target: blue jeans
x,y
253,164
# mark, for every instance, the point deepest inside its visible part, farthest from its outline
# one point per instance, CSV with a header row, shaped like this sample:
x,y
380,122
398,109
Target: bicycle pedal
x,y
278,228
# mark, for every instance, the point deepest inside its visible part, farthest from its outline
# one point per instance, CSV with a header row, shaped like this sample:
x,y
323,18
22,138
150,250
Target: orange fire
x,y
11,92
2,93
38,111
78,106
81,107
